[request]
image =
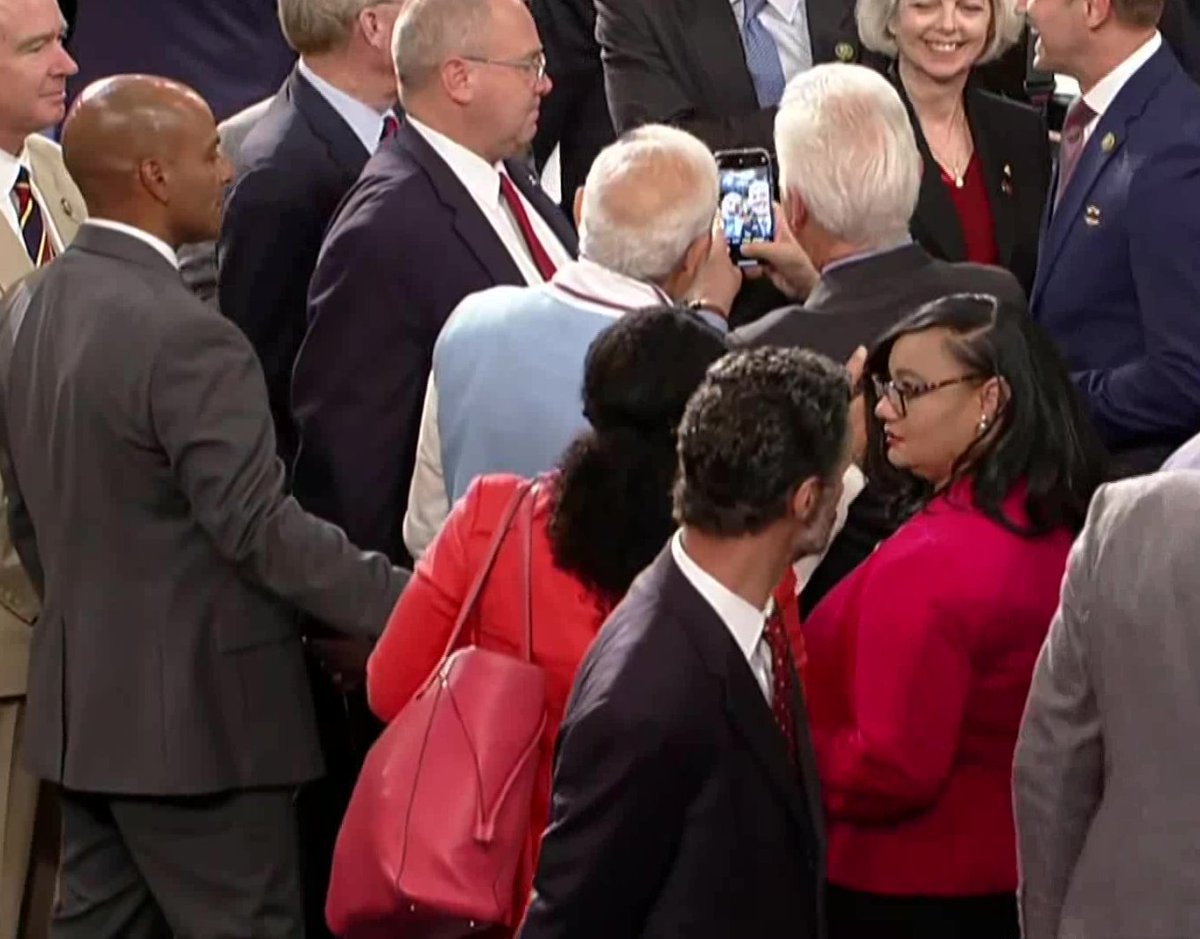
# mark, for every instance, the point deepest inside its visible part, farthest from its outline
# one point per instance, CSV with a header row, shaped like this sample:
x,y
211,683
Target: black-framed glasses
x,y
899,394
534,65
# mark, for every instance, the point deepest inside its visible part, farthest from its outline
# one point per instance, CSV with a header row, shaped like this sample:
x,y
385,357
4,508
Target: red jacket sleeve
x,y
909,678
421,622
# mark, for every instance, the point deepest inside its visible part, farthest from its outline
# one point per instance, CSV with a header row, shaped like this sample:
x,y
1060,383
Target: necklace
x,y
955,170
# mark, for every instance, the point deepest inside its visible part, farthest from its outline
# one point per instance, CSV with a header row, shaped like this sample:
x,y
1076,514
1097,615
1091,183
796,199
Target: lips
x,y
944,48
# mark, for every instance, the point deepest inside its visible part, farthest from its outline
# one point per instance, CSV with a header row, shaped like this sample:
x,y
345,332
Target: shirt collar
x,y
9,167
1105,91
481,180
587,283
364,120
143,236
863,255
743,621
785,8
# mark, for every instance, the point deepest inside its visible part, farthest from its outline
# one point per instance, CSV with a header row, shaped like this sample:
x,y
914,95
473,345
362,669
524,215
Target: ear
x,y
795,212
459,80
806,500
1097,12
577,208
156,180
696,253
372,26
993,397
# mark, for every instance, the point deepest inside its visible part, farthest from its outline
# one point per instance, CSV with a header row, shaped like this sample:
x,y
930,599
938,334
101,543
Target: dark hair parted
x,y
613,508
1042,435
762,423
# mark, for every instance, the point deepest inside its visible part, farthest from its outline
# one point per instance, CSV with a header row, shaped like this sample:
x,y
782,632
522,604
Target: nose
x,y
545,85
65,66
949,13
885,410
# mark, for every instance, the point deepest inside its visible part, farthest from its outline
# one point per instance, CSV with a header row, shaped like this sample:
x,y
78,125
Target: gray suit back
x,y
166,660
1107,781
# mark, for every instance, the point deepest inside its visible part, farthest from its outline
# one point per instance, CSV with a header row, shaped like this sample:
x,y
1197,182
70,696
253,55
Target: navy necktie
x,y
762,56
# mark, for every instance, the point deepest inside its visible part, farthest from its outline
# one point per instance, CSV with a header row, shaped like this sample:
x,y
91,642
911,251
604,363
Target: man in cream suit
x,y
42,210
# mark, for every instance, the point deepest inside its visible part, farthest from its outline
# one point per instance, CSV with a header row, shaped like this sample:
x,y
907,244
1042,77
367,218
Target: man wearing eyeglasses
x,y
444,209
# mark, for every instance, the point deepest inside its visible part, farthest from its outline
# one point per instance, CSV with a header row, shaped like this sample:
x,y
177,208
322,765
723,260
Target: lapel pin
x,y
66,207
1109,141
844,51
1008,170
1091,215
1006,186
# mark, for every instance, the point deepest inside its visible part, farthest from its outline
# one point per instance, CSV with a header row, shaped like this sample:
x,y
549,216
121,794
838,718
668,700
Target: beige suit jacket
x,y
18,602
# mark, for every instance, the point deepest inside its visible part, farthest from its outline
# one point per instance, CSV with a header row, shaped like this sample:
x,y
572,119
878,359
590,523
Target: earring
x,y
982,426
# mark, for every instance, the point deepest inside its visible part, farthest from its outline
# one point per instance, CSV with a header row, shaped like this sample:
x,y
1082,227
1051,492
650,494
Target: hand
x,y
343,659
857,416
718,280
783,261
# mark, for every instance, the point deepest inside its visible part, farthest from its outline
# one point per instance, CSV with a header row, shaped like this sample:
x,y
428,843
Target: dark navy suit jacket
x,y
231,51
1118,282
297,164
407,244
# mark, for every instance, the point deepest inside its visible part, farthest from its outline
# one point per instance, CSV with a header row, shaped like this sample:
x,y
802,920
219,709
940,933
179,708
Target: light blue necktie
x,y
762,56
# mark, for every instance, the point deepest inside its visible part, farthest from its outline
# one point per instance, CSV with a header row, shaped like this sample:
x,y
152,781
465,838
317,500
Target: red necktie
x,y
33,227
540,258
1071,144
782,678
390,126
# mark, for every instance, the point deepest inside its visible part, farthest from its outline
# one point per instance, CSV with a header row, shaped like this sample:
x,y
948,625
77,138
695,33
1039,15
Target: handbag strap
x,y
527,564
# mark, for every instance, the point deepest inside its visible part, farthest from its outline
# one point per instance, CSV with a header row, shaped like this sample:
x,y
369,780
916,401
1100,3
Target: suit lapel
x,y
997,173
936,224
1105,143
524,179
63,202
830,22
14,259
342,144
710,31
469,222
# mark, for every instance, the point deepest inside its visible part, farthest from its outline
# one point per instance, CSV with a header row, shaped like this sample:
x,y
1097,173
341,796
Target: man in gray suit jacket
x,y
167,690
1107,766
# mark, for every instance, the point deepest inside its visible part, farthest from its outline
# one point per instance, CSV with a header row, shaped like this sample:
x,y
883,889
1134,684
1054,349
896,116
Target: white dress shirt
x,y
744,622
787,22
364,120
143,236
1104,92
483,183
9,167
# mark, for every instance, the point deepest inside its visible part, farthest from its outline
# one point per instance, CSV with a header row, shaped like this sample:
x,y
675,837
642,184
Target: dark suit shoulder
x,y
1006,111
969,277
770,330
392,191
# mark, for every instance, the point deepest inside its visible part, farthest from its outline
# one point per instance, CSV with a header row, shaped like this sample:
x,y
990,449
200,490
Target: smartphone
x,y
747,199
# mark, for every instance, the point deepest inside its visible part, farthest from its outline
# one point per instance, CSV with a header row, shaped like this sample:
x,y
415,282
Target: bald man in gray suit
x,y
1107,764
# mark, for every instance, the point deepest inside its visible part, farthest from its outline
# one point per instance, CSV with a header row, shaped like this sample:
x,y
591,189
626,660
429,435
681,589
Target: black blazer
x,y
676,810
407,244
1180,28
852,306
297,164
1014,148
681,62
574,116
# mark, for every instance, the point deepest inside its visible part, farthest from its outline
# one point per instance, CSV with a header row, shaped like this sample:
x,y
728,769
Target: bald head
x,y
144,149
647,200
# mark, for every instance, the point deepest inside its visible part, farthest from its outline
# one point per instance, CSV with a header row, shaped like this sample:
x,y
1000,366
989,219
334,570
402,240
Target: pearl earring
x,y
983,425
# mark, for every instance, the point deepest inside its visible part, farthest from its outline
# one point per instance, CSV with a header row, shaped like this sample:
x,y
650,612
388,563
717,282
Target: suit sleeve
x,y
620,795
420,626
642,86
209,409
1158,394
359,386
910,680
1059,763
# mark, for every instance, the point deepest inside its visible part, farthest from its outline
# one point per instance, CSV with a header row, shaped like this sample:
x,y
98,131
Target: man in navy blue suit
x,y
1118,281
295,166
441,211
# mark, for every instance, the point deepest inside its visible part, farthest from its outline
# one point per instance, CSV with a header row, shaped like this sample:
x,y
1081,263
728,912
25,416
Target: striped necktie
x,y
33,226
762,56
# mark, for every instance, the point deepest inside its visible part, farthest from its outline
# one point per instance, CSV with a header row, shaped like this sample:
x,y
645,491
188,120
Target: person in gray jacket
x,y
1107,764
167,689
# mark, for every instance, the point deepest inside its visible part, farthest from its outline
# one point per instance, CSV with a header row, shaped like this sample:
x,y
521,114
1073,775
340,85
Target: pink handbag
x,y
439,818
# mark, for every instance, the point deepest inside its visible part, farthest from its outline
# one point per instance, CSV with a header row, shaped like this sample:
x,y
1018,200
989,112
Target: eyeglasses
x,y
534,65
899,394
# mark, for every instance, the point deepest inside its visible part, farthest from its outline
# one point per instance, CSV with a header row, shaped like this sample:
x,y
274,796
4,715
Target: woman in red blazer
x,y
603,517
920,660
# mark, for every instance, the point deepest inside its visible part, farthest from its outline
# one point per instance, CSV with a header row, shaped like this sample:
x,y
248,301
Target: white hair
x,y
312,27
846,148
428,32
875,18
647,198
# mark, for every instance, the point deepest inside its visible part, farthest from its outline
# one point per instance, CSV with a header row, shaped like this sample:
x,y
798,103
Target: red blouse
x,y
974,209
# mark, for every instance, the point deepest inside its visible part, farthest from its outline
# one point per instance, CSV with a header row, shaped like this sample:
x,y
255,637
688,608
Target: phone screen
x,y
746,210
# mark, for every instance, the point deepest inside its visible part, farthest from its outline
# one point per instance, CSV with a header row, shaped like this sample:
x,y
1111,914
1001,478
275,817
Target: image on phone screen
x,y
746,211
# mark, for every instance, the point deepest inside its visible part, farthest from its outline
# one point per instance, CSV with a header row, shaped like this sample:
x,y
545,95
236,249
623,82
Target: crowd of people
x,y
856,577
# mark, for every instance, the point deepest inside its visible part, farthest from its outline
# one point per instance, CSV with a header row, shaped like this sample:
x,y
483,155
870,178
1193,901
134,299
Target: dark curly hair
x,y
612,511
761,424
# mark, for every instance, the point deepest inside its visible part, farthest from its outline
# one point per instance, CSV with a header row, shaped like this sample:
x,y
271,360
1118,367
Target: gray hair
x,y
313,27
430,31
875,19
647,198
847,149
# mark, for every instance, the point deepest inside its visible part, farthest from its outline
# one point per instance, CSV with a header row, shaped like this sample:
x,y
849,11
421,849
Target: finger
x,y
855,365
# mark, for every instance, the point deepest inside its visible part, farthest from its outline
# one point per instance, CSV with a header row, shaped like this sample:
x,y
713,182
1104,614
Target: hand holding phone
x,y
746,199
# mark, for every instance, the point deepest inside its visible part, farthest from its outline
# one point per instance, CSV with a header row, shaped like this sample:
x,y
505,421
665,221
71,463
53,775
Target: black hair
x,y
762,423
612,514
1042,434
